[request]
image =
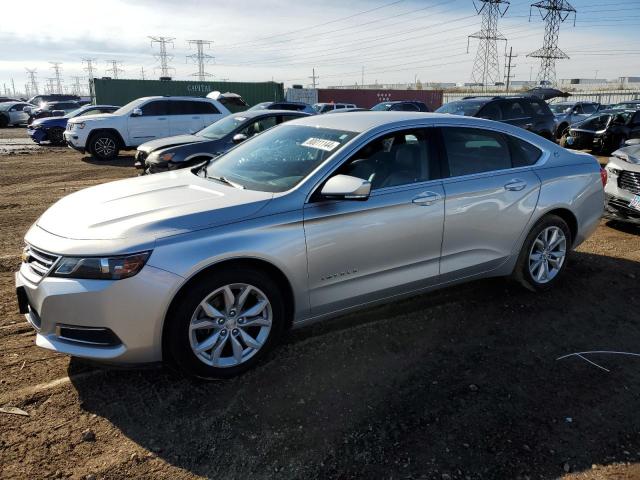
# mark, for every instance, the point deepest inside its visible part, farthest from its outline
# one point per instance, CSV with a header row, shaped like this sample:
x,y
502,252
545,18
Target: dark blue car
x,y
51,128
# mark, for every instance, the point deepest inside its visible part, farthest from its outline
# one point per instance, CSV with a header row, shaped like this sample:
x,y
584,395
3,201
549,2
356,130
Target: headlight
x,y
613,171
166,157
101,268
78,125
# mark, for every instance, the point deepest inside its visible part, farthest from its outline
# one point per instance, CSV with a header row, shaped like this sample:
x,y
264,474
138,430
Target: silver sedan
x,y
207,267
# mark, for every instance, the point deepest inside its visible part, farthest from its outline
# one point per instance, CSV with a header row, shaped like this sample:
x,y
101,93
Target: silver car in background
x,y
311,219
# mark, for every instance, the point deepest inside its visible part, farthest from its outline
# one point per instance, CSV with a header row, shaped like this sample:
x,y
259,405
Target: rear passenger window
x,y
539,107
512,110
523,154
491,111
473,150
205,108
589,108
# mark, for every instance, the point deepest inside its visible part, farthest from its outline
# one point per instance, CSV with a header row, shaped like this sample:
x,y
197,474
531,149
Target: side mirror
x,y
239,138
346,187
27,109
633,141
137,112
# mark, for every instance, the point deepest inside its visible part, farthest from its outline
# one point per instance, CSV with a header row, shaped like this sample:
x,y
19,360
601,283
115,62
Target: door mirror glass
x,y
346,187
239,138
137,112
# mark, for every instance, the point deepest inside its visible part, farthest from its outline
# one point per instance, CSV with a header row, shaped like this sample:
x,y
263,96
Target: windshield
x,y
130,106
222,127
624,106
558,108
463,107
76,112
382,106
278,159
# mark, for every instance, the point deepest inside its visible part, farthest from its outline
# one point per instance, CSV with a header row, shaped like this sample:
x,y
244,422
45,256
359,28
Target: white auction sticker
x,y
320,144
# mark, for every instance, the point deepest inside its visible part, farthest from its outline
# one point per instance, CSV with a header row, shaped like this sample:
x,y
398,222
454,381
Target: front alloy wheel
x,y
225,321
230,325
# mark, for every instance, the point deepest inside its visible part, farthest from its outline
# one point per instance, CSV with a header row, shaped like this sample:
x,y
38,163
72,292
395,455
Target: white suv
x,y
139,121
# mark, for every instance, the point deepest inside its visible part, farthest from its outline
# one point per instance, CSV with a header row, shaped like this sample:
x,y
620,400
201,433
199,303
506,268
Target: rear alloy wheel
x,y
104,146
225,324
56,136
544,254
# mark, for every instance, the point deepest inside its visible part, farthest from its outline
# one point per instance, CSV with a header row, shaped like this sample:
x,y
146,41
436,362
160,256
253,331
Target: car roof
x,y
176,97
363,121
265,113
403,101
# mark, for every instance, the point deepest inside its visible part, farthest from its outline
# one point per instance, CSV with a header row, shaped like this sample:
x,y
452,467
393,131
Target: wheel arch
x,y
247,262
568,216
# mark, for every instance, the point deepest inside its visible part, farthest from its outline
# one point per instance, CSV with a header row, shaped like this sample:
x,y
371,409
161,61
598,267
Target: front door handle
x,y
515,185
528,125
426,198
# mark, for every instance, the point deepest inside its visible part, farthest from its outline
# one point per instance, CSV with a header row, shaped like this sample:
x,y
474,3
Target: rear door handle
x,y
426,198
515,185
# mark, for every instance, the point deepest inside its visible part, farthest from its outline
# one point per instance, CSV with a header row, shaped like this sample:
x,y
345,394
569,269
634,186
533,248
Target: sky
x,y
283,40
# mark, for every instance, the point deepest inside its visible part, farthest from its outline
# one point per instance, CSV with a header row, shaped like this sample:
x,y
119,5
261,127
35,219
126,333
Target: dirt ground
x,y
459,384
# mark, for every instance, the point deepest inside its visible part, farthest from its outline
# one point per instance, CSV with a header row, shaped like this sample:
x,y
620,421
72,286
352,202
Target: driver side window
x,y
394,159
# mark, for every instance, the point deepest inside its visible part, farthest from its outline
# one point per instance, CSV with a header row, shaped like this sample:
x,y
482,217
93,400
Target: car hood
x,y
630,154
149,207
167,142
96,116
50,122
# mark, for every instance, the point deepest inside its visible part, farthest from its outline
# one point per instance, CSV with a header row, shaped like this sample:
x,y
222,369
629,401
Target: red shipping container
x,y
365,98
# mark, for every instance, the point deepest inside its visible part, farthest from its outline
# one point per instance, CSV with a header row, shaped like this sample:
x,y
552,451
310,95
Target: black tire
x,y
177,336
4,121
56,136
522,272
104,146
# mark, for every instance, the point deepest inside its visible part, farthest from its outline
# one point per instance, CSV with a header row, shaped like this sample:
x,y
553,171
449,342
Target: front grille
x,y
629,181
69,126
621,207
39,262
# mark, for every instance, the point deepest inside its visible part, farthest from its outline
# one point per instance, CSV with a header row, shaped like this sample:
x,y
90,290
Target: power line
x,y
163,56
486,68
553,12
115,69
304,29
201,58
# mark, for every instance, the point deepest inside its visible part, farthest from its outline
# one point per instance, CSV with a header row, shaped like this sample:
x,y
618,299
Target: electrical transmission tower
x,y
486,67
163,56
201,58
33,83
553,12
77,88
142,76
115,68
314,78
89,67
57,69
51,85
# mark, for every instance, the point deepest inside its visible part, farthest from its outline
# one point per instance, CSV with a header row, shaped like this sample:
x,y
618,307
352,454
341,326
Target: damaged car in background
x,y
604,132
181,151
622,191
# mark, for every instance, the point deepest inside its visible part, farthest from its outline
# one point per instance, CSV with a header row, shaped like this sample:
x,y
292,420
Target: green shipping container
x,y
121,91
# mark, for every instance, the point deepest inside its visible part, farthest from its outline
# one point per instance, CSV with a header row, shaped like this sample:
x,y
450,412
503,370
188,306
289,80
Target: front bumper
x,y
116,321
74,141
617,208
38,135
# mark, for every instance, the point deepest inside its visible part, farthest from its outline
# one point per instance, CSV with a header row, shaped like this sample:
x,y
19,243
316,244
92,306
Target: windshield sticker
x,y
320,144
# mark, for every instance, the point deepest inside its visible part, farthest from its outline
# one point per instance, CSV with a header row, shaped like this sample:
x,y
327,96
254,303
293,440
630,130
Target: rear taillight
x,y
603,176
